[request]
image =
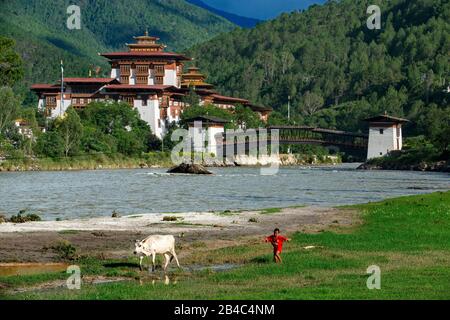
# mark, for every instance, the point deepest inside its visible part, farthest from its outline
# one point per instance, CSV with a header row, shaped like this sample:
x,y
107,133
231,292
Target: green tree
x,y
93,140
70,128
245,118
9,109
11,65
50,144
311,103
130,135
207,110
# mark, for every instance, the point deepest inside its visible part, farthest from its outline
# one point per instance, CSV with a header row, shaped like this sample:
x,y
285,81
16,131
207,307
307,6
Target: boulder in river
x,y
190,168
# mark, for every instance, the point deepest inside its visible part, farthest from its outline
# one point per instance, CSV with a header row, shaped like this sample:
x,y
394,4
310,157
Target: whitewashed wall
x,y
381,144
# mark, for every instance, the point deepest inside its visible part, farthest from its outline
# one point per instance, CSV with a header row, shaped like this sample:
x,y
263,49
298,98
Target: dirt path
x,y
114,237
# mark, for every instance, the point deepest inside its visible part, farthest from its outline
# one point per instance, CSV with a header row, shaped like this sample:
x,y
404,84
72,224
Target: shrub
x,y
170,218
20,218
65,250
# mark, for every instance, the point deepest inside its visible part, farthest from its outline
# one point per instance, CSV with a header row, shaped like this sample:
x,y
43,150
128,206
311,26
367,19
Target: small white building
x,y
205,131
385,135
24,128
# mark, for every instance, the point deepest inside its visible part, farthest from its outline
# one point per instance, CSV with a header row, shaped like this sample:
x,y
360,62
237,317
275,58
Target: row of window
x,y
81,101
176,106
142,79
142,69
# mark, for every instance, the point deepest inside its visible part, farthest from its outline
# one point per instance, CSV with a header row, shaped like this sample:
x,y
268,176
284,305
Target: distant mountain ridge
x,y
241,21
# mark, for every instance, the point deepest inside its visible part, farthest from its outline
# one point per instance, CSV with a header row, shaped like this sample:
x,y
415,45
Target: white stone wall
x,y
262,160
60,110
150,114
132,77
151,77
198,137
381,143
115,73
156,124
201,135
400,137
170,78
41,104
212,141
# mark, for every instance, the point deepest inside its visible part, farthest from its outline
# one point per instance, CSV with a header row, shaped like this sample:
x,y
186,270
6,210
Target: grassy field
x,y
408,238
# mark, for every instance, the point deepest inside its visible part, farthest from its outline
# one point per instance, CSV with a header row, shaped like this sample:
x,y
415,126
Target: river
x,y
75,194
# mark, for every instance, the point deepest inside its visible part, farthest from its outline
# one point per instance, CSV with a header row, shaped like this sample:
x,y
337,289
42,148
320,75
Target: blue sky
x,y
260,9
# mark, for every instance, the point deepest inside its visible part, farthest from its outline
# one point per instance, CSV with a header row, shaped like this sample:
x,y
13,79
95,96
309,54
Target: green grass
x,y
408,238
278,210
270,211
88,162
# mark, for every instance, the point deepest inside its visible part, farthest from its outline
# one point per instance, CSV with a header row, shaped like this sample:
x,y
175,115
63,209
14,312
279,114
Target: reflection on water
x,y
20,269
97,193
167,278
163,279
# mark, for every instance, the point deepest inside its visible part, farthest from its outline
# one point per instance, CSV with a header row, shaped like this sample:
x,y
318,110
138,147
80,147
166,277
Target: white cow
x,y
154,245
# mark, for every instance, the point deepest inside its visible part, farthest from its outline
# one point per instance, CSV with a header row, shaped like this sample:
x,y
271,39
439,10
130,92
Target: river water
x,y
75,194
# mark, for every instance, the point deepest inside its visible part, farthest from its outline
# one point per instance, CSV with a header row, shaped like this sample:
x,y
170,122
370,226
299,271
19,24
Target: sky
x,y
260,9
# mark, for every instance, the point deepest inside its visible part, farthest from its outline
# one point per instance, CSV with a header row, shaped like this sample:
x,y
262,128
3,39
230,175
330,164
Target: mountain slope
x,y
39,28
335,69
241,21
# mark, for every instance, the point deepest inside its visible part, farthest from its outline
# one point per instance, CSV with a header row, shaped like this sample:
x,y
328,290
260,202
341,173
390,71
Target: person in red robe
x,y
277,241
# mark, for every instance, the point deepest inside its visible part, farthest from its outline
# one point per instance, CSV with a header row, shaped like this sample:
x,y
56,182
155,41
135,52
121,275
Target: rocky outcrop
x,y
369,166
189,168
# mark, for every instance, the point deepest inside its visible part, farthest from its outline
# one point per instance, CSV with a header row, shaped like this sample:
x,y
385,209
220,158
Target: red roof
x,y
138,87
89,80
230,99
148,54
41,86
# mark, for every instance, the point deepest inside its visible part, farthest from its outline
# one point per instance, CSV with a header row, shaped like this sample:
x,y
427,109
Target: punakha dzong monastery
x,y
146,77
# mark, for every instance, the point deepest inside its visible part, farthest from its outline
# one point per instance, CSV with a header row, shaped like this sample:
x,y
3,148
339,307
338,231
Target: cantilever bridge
x,y
327,137
301,135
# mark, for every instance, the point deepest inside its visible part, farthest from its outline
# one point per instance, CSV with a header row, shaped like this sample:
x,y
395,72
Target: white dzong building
x,y
148,79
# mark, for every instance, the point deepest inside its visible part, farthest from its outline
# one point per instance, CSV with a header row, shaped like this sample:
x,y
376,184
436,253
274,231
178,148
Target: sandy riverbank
x,y
114,237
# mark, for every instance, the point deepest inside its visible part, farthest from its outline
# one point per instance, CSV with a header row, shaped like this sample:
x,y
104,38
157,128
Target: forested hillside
x,y
336,70
42,37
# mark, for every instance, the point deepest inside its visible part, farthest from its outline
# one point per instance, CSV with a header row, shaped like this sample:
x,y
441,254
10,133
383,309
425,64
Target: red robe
x,y
277,242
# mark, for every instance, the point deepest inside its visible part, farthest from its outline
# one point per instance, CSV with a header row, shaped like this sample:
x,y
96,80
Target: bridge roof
x,y
386,118
337,132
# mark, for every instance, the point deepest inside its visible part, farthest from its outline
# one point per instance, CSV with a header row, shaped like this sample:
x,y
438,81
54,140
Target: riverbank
x,y
424,166
152,160
420,158
25,242
87,162
330,251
